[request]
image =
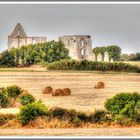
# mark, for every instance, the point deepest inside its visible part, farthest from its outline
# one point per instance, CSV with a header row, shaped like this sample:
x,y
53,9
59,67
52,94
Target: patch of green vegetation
x,y
26,99
31,111
93,66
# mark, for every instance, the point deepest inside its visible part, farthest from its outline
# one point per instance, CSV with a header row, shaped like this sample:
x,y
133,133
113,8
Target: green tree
x,y
114,52
124,57
31,54
7,59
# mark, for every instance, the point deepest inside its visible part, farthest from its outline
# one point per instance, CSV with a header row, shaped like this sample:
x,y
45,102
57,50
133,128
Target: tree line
x,y
31,54
130,57
114,51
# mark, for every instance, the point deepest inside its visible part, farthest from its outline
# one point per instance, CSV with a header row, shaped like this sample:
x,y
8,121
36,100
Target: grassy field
x,y
84,97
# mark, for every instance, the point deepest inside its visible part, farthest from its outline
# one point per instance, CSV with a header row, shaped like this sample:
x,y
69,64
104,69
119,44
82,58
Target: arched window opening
x,y
68,42
18,32
82,53
34,41
82,43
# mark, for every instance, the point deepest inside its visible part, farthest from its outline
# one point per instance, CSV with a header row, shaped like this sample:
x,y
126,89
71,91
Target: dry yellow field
x,y
84,97
133,62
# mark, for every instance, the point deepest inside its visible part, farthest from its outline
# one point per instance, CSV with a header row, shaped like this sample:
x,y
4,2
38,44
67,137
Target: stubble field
x,y
84,97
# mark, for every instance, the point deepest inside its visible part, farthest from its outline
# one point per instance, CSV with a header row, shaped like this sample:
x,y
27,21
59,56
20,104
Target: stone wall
x,y
79,46
19,38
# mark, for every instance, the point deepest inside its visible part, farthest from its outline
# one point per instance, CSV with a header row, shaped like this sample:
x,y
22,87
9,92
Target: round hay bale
x,y
100,85
58,92
66,92
48,90
25,92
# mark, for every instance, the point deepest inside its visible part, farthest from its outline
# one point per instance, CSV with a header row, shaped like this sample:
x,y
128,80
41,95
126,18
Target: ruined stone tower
x,y
19,38
79,46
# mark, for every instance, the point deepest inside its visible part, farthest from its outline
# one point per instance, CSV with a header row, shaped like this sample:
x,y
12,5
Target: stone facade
x,y
79,46
19,38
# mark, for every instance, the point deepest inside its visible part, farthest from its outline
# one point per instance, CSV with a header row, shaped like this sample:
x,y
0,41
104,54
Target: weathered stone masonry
x,y
79,46
19,38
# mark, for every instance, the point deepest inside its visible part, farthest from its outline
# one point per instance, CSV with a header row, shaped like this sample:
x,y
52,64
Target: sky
x,y
107,24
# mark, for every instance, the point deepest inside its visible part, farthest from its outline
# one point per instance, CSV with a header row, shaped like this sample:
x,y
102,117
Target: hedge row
x,y
92,66
123,108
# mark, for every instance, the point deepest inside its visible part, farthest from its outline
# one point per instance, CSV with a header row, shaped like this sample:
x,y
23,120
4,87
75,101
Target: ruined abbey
x,y
79,46
19,38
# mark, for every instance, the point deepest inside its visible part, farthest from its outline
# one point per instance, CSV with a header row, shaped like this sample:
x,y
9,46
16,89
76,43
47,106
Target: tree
x,y
124,57
7,59
114,51
31,54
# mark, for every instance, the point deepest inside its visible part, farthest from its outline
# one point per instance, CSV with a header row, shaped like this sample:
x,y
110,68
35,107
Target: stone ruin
x,y
79,46
19,38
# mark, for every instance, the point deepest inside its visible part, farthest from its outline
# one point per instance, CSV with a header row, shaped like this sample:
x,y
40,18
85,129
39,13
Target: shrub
x,y
4,99
70,115
98,116
92,66
83,116
13,91
123,120
31,111
137,112
26,99
58,112
5,117
123,103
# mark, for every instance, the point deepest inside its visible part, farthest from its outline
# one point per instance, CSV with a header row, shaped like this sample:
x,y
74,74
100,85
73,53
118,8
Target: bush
x,y
4,100
26,99
83,116
98,116
123,103
13,91
71,115
123,120
92,66
58,112
5,117
31,111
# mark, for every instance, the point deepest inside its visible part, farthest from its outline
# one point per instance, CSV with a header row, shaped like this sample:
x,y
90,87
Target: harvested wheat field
x,y
84,97
124,132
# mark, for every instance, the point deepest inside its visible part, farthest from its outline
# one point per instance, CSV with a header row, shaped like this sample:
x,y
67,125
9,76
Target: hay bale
x,y
48,90
58,92
25,92
66,92
100,85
